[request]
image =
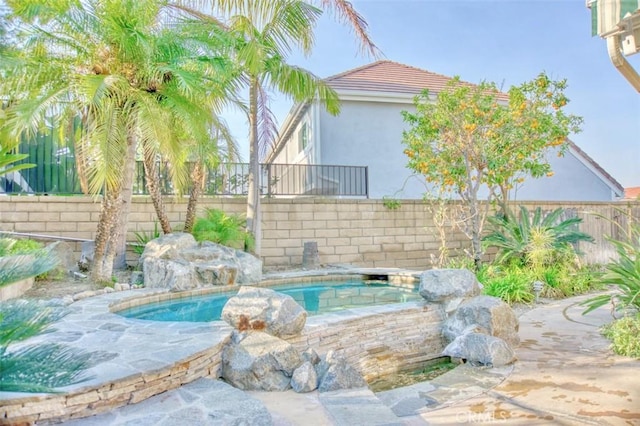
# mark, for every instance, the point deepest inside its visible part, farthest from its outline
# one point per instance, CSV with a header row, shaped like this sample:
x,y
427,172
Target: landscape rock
x,y
305,378
136,278
335,373
481,349
487,312
88,249
175,274
263,309
444,285
168,246
176,261
259,361
85,294
66,258
311,355
121,287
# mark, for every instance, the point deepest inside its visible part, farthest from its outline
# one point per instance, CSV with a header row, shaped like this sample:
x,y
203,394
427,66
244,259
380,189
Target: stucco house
x,y
368,132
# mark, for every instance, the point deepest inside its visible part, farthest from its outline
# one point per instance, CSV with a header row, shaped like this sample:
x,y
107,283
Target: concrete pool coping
x,y
136,359
276,280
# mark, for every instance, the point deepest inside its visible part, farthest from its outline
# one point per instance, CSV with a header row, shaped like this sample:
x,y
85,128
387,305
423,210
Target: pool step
x,y
349,407
459,384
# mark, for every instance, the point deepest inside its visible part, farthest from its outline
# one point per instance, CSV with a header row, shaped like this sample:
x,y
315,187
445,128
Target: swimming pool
x,y
315,297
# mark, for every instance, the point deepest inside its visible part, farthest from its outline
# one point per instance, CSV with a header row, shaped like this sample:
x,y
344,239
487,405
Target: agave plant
x,y
143,237
533,240
624,273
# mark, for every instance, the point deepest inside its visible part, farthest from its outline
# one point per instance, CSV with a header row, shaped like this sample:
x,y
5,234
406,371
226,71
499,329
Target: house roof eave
x,y
290,123
616,188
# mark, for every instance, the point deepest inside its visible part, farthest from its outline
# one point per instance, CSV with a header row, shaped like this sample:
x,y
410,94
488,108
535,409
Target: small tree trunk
x,y
108,217
253,196
504,200
112,222
197,184
153,185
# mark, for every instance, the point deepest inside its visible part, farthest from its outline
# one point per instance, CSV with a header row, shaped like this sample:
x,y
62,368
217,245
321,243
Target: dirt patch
x,y
68,286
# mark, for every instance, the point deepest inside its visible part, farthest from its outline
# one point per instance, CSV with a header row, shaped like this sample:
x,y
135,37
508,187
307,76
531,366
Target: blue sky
x,y
504,41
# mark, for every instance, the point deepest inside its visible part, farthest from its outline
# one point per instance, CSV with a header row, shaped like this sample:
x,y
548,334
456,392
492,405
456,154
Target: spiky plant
x,y
623,273
533,238
35,368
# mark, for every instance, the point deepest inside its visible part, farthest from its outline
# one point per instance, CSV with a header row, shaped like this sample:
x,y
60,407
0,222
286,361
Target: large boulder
x,y
481,349
177,274
263,309
489,314
176,261
448,286
335,373
258,361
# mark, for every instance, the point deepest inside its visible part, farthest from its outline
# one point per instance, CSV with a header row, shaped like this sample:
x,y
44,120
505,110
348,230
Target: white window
x,y
303,137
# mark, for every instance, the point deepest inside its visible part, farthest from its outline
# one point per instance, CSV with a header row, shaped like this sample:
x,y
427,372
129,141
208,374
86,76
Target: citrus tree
x,y
470,139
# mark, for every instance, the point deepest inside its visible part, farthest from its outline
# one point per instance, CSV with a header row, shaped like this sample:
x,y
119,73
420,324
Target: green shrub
x,y
5,246
623,273
534,240
142,238
563,280
538,247
13,246
512,285
221,228
26,246
623,334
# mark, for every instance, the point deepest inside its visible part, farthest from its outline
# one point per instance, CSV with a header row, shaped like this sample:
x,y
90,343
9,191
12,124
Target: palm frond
x,y
347,14
301,84
267,124
293,22
19,267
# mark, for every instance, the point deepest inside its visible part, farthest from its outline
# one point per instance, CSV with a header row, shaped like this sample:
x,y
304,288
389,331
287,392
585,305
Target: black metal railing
x,y
56,174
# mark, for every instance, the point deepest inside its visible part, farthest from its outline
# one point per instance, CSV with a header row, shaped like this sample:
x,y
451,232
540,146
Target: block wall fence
x,y
358,232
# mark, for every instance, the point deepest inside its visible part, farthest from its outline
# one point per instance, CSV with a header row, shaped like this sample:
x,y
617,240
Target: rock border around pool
x,y
142,359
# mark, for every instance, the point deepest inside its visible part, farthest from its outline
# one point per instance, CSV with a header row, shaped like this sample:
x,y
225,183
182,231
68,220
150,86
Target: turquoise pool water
x,y
316,298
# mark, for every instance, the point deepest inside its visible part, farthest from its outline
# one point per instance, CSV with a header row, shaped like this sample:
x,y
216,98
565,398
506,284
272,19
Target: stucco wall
x,y
571,181
359,232
370,134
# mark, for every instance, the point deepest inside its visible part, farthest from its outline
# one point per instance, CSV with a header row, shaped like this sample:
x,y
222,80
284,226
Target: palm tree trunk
x,y
253,196
108,216
151,174
112,220
120,261
197,184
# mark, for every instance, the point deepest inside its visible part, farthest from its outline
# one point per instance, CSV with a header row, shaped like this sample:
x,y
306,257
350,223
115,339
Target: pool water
x,y
315,298
428,371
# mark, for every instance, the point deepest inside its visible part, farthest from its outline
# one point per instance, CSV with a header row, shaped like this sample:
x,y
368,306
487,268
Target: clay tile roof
x,y
632,193
389,76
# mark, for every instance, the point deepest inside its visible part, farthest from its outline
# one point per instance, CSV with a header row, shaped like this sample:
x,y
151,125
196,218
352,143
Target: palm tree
x,y
134,81
268,31
208,155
